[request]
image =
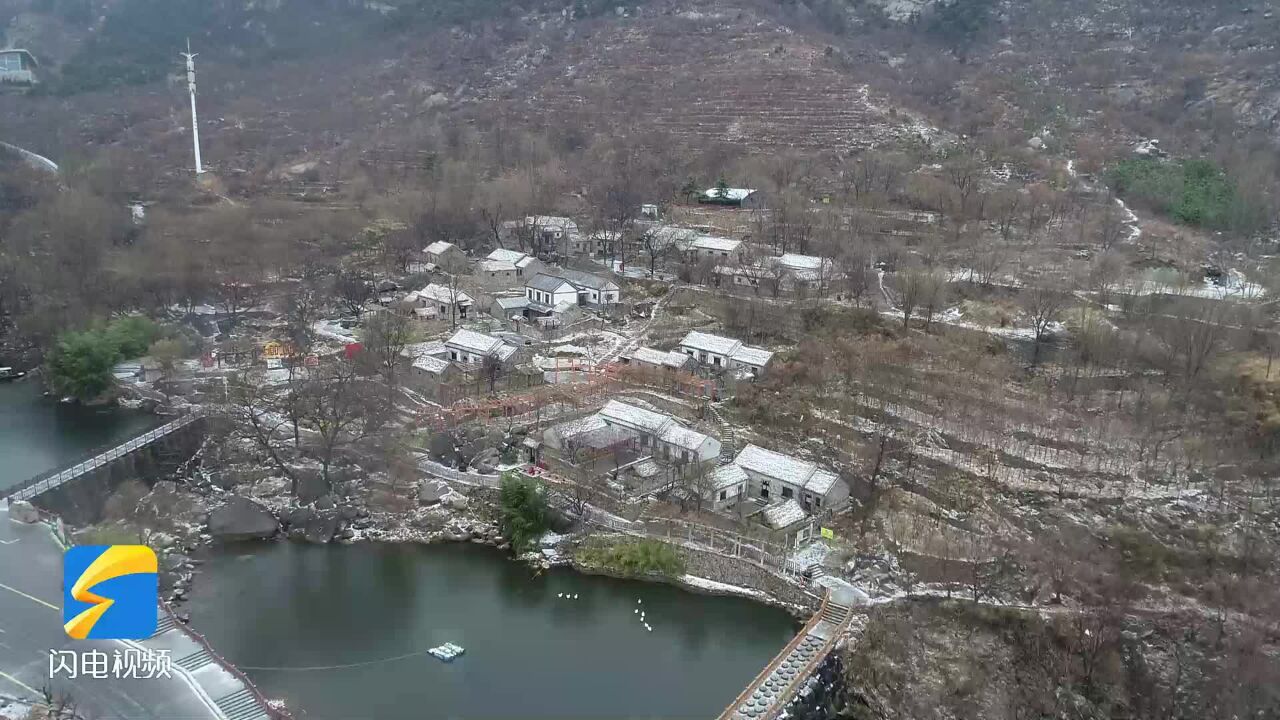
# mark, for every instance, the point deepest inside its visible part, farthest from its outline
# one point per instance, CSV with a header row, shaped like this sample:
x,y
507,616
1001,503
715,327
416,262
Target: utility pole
x,y
195,122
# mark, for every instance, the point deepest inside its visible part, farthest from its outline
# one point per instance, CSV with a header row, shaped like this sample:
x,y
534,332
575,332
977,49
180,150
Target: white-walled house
x,y
724,353
552,287
773,477
445,255
550,290
524,263
711,246
441,301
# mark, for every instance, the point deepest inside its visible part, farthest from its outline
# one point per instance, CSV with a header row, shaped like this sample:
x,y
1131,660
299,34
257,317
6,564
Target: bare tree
x,y
1042,306
334,405
353,288
385,336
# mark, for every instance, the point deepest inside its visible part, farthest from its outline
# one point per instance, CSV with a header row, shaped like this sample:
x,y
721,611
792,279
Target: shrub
x,y
80,364
1192,192
634,558
524,511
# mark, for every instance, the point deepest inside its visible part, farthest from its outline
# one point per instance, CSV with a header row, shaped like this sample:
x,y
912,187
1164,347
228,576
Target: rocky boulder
x,y
321,528
455,500
242,519
431,492
23,512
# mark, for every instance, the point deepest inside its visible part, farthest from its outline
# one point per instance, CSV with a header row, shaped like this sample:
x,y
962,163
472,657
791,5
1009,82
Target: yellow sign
x,y
278,350
828,533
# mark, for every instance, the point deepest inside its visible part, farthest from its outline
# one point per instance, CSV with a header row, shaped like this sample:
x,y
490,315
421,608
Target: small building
x,y
445,255
641,431
772,476
18,67
471,348
710,246
733,197
552,287
649,358
804,270
428,368
550,290
724,353
524,263
439,301
497,269
649,211
546,234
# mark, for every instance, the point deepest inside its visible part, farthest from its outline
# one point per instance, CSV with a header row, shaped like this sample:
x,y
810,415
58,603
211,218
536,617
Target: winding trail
x,y
38,162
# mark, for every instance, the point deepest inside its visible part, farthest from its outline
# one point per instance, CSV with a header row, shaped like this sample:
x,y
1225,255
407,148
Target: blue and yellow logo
x,y
109,592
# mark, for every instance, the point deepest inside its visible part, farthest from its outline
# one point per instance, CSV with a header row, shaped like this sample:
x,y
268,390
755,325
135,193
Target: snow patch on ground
x,y
719,587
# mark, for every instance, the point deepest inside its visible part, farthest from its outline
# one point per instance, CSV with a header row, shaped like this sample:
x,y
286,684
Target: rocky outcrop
x,y
242,519
23,512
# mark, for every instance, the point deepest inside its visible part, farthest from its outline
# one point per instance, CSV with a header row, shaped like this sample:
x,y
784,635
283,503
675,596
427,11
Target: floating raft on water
x,y
446,652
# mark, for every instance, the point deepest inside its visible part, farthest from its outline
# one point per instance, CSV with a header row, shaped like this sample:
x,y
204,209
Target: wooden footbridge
x,y
777,685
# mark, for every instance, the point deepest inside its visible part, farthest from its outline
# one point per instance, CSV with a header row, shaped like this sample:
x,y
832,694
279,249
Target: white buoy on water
x,y
559,594
575,596
633,612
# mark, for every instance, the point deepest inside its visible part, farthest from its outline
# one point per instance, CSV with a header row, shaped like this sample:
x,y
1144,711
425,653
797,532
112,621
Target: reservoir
x,y
38,434
340,632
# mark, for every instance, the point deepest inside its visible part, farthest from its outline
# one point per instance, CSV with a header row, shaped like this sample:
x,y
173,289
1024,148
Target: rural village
x,y
971,364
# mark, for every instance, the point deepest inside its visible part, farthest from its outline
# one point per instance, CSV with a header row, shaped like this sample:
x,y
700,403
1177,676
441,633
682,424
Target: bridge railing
x,y
47,481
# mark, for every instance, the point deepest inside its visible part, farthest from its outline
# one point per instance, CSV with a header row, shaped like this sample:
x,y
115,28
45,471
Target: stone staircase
x,y
241,705
728,438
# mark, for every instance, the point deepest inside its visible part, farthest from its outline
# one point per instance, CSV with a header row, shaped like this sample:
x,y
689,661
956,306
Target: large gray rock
x,y
431,492
455,500
242,519
23,512
321,528
311,485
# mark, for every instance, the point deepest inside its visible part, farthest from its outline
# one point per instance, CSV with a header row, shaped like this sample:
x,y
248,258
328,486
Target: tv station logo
x,y
110,592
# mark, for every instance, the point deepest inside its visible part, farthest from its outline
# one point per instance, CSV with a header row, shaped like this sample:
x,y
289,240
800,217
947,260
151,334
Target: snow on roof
x,y
512,303
664,236
726,476
515,257
574,428
442,294
474,342
730,193
433,365
550,221
716,244
682,437
584,279
785,468
505,352
792,261
417,350
547,283
635,417
648,355
751,356
710,343
496,266
438,247
783,514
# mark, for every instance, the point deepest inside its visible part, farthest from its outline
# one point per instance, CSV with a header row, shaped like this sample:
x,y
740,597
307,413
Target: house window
x,y
764,489
453,355
723,493
817,502
786,492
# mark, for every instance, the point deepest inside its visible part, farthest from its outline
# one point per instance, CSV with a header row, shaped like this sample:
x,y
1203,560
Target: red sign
x,y
353,349
311,361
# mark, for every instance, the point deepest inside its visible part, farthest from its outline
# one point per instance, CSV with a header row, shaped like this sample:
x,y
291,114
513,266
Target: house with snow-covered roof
x,y
524,263
771,477
650,359
733,197
722,353
440,301
638,430
445,255
468,347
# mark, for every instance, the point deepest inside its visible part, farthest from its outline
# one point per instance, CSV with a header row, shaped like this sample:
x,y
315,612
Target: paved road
x,y
31,625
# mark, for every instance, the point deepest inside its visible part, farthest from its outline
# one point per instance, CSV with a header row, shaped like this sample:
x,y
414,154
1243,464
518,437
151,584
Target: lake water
x,y
327,629
38,434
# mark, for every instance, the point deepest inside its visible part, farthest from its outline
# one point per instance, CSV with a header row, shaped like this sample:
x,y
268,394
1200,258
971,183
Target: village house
x,y
710,246
635,431
468,347
770,477
440,302
18,67
524,264
650,359
428,368
544,234
725,353
445,256
554,286
803,270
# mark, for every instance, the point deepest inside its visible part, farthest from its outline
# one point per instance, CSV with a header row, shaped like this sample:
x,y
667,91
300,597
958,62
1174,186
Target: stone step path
x,y
775,687
241,705
728,438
